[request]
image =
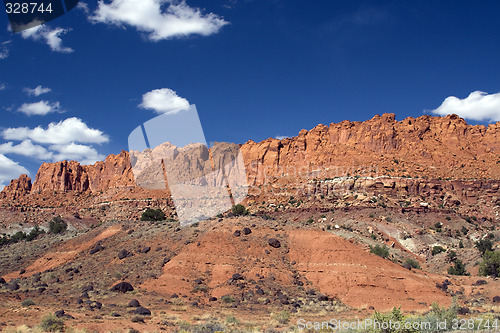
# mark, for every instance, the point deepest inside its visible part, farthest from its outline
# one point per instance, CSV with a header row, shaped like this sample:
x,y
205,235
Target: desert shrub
x,y
239,210
17,237
390,319
437,249
51,323
452,255
461,245
57,225
491,264
413,263
381,251
458,268
227,299
282,317
484,245
151,214
34,233
27,302
232,320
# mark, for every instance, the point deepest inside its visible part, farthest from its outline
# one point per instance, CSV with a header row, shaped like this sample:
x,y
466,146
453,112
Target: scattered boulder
x,y
322,298
247,231
142,311
237,233
134,303
123,254
122,287
87,288
480,283
496,299
96,248
62,314
13,286
212,299
463,310
145,249
2,280
237,276
273,242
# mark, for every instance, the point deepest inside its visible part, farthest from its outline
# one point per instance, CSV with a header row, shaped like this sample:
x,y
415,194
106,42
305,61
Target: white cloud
x,y
164,101
2,86
64,132
26,148
477,106
9,170
49,36
39,90
39,108
281,137
81,153
83,6
177,20
4,50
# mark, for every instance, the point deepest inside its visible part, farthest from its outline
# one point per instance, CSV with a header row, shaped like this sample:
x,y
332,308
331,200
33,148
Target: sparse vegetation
x,y
19,236
458,268
491,264
57,225
381,251
151,214
227,299
437,249
51,323
413,263
239,210
27,302
484,245
282,317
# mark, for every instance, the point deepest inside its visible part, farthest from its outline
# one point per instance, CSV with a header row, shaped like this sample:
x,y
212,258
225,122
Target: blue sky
x,y
254,69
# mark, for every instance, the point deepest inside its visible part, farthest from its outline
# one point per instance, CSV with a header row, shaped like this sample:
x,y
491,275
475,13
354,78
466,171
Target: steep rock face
x,y
445,147
66,176
16,188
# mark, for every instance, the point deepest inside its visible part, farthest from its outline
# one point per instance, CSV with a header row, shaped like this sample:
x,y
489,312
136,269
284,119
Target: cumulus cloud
x,y
49,36
39,90
9,170
281,137
4,49
151,17
64,132
2,86
83,6
39,108
26,148
81,153
164,101
479,106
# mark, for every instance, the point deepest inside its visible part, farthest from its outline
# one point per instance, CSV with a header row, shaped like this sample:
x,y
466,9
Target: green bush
x,y
484,245
51,323
282,317
227,299
57,225
153,215
452,255
395,316
34,233
381,251
458,268
413,263
27,302
437,249
239,210
491,264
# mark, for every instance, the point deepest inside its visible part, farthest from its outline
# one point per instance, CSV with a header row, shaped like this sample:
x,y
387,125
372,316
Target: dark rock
x,y
194,304
96,248
79,301
237,233
13,286
463,311
114,314
87,288
22,271
85,294
134,303
95,305
165,260
322,298
145,249
237,276
62,314
197,281
142,311
407,266
273,242
123,254
247,231
2,280
480,283
122,287
136,319
496,299
259,291
212,299
267,251
174,296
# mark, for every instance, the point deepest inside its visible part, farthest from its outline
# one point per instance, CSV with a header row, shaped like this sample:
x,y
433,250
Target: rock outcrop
x,y
16,188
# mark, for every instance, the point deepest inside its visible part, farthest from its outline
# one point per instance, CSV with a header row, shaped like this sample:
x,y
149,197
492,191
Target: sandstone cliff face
x,y
445,147
67,176
433,147
16,188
